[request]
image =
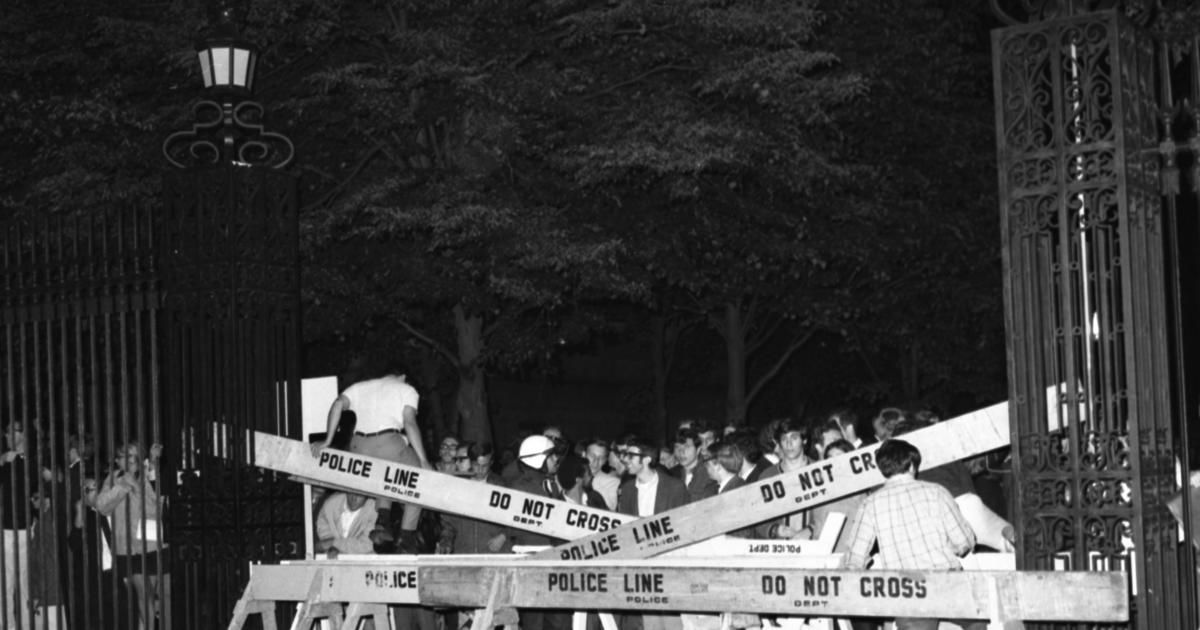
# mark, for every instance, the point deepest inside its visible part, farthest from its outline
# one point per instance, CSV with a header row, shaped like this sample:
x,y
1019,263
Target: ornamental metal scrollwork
x,y
227,133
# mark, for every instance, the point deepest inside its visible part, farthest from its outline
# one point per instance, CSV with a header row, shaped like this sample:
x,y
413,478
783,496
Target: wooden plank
x,y
697,585
374,582
431,489
827,480
1036,596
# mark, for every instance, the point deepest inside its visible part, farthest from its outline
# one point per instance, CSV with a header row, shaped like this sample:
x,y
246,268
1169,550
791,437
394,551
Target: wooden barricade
x,y
496,585
609,535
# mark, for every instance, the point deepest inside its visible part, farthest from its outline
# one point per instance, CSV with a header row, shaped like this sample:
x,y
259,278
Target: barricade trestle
x,y
497,586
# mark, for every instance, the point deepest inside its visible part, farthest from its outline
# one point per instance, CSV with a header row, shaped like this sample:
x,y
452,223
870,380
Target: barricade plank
x,y
344,582
827,480
431,489
698,585
1035,596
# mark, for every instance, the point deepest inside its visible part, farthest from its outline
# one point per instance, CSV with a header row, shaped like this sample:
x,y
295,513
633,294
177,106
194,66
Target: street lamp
x,y
227,62
228,127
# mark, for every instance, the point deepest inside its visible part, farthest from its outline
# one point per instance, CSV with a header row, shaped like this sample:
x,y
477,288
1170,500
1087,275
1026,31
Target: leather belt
x,y
383,432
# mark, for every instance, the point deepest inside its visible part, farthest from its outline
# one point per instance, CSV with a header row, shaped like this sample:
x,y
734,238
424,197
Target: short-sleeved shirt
x,y
379,403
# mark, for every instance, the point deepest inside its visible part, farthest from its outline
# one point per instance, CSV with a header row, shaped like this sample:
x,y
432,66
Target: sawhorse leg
x,y
247,606
358,611
313,608
492,615
1004,609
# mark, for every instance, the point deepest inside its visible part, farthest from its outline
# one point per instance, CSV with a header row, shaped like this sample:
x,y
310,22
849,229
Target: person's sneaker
x,y
408,542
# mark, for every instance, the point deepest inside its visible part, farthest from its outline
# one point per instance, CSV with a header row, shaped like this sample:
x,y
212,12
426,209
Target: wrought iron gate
x,y
122,330
1097,372
230,335
79,356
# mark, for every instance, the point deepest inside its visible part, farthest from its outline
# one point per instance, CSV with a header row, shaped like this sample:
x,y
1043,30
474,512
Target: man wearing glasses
x,y
447,453
649,492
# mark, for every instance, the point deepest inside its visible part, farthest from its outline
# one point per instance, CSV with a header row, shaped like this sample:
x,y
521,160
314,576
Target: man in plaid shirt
x,y
917,524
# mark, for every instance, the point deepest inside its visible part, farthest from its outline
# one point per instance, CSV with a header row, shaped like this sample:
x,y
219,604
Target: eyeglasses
x,y
628,454
449,446
462,458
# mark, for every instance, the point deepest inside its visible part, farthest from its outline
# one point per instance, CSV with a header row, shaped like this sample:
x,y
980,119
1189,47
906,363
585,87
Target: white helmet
x,y
534,450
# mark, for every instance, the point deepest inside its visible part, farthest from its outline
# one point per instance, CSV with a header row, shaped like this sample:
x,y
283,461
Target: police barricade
x,y
496,585
612,536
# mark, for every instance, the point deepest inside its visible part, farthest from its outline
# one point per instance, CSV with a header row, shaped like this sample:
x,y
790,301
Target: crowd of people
x,y
919,519
82,537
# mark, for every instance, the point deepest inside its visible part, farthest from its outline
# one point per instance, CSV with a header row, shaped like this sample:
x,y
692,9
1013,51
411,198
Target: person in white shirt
x,y
344,524
386,428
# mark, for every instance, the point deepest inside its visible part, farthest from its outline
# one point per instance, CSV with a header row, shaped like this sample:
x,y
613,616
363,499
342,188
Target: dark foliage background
x,y
740,209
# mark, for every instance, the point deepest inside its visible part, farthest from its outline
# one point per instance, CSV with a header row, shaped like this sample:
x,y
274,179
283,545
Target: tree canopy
x,y
483,179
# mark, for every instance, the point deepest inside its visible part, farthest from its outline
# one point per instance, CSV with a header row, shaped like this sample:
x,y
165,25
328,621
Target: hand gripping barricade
x,y
612,543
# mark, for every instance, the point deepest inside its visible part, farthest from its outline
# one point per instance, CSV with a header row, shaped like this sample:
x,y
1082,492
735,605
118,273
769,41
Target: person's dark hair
x,y
890,417
481,449
746,442
908,424
897,456
927,416
843,445
562,445
688,435
595,442
644,447
570,471
393,368
714,452
790,425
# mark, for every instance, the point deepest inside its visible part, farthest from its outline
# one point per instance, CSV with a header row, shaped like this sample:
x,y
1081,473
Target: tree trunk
x,y
471,401
735,360
431,398
659,348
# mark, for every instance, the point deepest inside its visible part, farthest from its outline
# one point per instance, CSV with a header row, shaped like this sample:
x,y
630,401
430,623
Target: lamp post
x,y
226,241
228,127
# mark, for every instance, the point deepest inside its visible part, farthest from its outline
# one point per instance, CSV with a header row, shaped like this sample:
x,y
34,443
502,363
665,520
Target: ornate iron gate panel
x,y
79,355
229,239
1097,434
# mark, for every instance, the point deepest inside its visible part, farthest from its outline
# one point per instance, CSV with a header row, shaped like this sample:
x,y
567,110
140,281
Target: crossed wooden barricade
x,y
608,554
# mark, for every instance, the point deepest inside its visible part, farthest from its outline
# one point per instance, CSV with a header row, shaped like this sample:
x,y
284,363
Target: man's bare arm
x,y
335,414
